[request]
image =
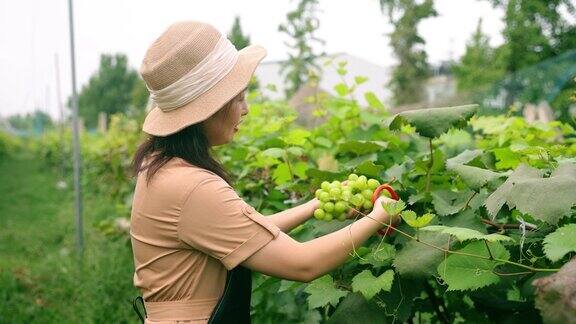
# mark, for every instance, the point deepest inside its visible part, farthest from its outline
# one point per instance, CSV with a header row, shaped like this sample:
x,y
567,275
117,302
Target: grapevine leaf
x,y
379,257
525,190
411,219
300,169
547,199
368,285
296,137
323,141
560,242
463,272
370,169
394,207
432,122
372,100
420,260
467,219
464,234
322,292
274,152
463,158
362,147
354,308
474,177
282,174
447,202
501,195
360,79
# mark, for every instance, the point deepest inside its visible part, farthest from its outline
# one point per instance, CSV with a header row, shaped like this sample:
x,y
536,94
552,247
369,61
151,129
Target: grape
x,y
335,192
367,204
367,193
328,207
324,196
337,199
373,184
319,214
340,207
346,194
357,200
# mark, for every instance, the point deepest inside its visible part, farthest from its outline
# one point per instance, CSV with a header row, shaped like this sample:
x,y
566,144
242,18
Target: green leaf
x,y
368,285
462,272
464,234
322,292
362,147
370,169
463,158
473,176
296,137
497,199
547,199
411,219
432,122
274,152
448,202
322,141
560,242
394,207
341,89
300,169
372,100
420,260
381,256
282,174
360,79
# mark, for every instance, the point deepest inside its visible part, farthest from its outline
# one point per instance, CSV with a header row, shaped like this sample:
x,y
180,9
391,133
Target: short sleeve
x,y
216,221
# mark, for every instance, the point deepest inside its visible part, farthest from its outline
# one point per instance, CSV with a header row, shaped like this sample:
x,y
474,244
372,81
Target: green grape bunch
x,y
336,198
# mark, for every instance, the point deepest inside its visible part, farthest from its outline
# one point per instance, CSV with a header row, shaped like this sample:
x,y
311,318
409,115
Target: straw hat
x,y
192,70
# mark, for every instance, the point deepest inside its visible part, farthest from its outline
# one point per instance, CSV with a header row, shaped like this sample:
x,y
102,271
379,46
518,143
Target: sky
x,y
34,36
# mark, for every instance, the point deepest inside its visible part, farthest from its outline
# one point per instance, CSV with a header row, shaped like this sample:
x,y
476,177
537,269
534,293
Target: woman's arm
x,y
287,258
287,219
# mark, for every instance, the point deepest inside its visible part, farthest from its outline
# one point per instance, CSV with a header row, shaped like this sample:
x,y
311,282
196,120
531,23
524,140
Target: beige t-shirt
x,y
188,226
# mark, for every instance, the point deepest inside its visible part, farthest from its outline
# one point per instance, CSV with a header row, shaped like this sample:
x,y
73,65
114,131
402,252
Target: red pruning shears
x,y
393,195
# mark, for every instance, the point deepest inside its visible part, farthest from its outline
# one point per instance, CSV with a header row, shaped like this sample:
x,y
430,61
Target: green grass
x,y
42,280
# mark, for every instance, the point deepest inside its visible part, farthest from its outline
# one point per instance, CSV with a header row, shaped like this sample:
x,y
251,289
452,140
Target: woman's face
x,y
221,127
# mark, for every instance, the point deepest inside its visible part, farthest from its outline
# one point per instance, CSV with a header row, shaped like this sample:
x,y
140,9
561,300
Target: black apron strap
x,y
137,310
234,305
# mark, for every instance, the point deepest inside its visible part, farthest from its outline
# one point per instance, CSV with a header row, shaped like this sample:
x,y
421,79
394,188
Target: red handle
x,y
393,195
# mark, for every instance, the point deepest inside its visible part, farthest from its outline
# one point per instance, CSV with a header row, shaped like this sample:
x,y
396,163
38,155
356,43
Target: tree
x,y
109,90
535,30
301,25
35,121
481,65
409,76
237,37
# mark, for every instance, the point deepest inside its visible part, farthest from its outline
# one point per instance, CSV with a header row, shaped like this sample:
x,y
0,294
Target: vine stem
x,y
503,226
289,165
532,269
430,165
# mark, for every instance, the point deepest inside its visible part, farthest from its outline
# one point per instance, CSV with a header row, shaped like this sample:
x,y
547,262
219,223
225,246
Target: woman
x,y
194,239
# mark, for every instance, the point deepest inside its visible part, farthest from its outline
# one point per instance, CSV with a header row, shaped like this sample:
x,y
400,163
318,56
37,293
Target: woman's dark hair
x,y
189,144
